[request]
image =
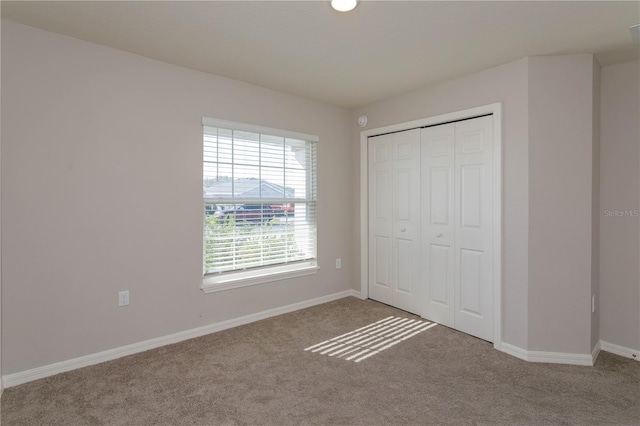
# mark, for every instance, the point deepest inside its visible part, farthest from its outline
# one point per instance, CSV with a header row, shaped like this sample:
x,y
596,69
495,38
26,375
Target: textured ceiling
x,y
380,49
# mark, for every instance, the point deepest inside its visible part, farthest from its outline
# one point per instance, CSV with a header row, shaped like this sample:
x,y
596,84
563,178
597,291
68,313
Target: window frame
x,y
220,281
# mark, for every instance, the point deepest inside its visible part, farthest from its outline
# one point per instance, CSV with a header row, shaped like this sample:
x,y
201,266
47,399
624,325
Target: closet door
x,y
380,218
474,183
394,220
437,171
457,225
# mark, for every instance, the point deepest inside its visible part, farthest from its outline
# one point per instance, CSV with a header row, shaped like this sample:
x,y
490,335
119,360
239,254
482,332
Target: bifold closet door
x,y
394,220
457,225
437,162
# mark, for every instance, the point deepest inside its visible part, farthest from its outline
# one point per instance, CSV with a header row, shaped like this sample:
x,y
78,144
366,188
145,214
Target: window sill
x,y
215,283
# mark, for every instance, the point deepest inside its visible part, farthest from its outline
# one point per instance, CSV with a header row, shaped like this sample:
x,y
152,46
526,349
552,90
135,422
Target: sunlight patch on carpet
x,y
360,344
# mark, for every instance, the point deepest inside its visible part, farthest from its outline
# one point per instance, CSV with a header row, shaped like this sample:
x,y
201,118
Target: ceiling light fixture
x,y
343,5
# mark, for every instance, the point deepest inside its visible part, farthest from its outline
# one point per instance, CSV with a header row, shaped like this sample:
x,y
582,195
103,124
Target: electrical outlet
x,y
338,263
123,298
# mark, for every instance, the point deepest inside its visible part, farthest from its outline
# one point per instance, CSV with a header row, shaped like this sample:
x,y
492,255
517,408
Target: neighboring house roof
x,y
248,188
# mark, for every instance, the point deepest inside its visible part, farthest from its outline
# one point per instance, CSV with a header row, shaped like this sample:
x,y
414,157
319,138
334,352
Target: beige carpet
x,y
259,374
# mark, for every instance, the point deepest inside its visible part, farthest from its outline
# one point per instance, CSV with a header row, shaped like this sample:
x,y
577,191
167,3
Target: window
x,y
259,192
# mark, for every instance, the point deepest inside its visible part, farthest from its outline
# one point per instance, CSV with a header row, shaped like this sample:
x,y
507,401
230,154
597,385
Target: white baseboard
x,y
620,350
550,357
514,351
356,293
111,354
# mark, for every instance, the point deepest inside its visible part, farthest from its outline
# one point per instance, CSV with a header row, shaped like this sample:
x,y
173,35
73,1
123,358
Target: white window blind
x,y
259,191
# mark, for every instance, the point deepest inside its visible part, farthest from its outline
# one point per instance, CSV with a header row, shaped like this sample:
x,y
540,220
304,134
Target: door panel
x,y
402,186
474,227
470,288
404,146
437,234
438,275
380,219
406,220
439,195
382,254
403,271
383,205
381,152
457,225
471,187
394,210
470,141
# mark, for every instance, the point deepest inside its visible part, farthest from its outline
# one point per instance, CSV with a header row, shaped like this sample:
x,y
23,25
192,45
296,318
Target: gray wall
x,y
560,202
595,207
1,381
620,188
101,192
507,84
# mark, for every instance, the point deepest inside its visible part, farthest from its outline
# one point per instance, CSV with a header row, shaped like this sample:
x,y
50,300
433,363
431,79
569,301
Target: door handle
x,y
403,229
439,235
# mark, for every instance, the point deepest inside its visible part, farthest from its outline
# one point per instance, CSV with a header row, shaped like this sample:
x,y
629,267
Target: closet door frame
x,y
496,111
